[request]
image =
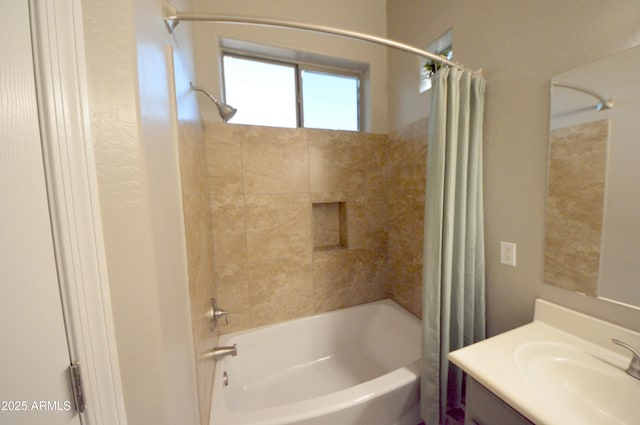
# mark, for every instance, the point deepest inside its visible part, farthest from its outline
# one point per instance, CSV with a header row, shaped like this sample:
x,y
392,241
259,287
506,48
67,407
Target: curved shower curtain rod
x,y
603,104
172,18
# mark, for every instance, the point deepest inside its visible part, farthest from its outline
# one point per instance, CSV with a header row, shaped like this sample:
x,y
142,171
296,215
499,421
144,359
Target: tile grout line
x,y
241,143
310,213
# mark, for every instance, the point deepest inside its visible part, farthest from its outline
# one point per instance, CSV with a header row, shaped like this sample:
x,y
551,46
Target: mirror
x,y
592,223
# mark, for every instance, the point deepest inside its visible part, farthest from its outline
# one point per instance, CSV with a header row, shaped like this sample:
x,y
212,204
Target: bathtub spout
x,y
220,352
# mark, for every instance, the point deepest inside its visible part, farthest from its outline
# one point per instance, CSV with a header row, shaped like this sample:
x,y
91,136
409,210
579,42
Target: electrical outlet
x,y
508,253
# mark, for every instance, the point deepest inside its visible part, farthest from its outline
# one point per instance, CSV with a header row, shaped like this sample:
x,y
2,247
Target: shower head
x,y
226,111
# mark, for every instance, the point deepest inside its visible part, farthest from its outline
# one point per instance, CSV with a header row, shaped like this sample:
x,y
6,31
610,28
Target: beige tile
x,y
407,177
421,129
372,161
417,306
195,205
346,161
331,280
367,220
370,276
223,157
199,245
194,224
405,278
228,229
407,160
342,278
280,289
406,224
193,165
278,225
222,133
200,267
232,286
224,162
193,173
275,160
575,205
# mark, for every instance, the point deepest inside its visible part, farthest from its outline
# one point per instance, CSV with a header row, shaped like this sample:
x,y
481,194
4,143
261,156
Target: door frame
x,y
63,107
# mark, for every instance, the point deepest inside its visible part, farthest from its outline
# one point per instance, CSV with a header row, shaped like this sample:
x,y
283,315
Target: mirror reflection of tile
x,y
575,202
592,231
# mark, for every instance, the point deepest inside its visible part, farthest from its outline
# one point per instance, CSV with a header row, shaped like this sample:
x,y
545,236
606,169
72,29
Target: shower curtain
x,y
453,271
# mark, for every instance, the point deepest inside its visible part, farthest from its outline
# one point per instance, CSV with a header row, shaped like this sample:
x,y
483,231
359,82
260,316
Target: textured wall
x,y
133,130
125,207
262,183
519,45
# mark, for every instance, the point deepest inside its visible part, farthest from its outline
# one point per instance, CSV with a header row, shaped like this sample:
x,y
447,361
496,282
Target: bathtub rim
x,y
224,338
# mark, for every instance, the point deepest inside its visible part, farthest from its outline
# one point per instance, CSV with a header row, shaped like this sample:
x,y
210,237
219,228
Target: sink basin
x,y
591,387
560,369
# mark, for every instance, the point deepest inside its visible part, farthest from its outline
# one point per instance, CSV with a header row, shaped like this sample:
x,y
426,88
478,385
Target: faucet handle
x,y
634,366
216,313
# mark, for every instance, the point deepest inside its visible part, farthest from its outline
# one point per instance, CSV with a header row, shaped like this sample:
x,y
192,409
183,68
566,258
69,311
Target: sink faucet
x,y
634,366
220,352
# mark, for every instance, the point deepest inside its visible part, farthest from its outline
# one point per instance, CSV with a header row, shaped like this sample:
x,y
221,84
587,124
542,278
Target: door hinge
x,y
77,388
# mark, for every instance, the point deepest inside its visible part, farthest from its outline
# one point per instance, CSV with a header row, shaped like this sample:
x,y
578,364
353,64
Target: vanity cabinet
x,y
485,408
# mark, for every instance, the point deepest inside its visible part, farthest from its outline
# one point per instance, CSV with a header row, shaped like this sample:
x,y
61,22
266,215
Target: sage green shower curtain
x,y
453,271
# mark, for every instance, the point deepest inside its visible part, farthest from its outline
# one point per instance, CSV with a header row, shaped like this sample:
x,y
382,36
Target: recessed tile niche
x,y
329,225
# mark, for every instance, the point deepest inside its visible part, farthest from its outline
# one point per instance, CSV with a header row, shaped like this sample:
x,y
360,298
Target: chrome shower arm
x,y
201,90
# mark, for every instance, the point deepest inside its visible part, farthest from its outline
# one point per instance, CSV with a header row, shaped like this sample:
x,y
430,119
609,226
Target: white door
x,y
34,355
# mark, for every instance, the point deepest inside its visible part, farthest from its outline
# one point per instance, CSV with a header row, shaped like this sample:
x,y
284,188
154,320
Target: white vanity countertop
x,y
507,365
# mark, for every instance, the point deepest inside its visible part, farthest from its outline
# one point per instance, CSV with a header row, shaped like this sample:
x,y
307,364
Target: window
x,y
263,92
443,47
330,100
286,94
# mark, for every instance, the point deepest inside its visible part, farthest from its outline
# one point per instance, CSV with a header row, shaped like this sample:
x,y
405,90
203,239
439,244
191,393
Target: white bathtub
x,y
359,365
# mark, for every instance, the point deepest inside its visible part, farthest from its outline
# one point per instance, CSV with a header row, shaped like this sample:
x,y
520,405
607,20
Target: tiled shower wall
x,y
195,198
263,182
407,169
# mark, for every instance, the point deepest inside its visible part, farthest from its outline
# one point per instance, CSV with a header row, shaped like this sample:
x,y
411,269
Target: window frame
x,y
299,67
